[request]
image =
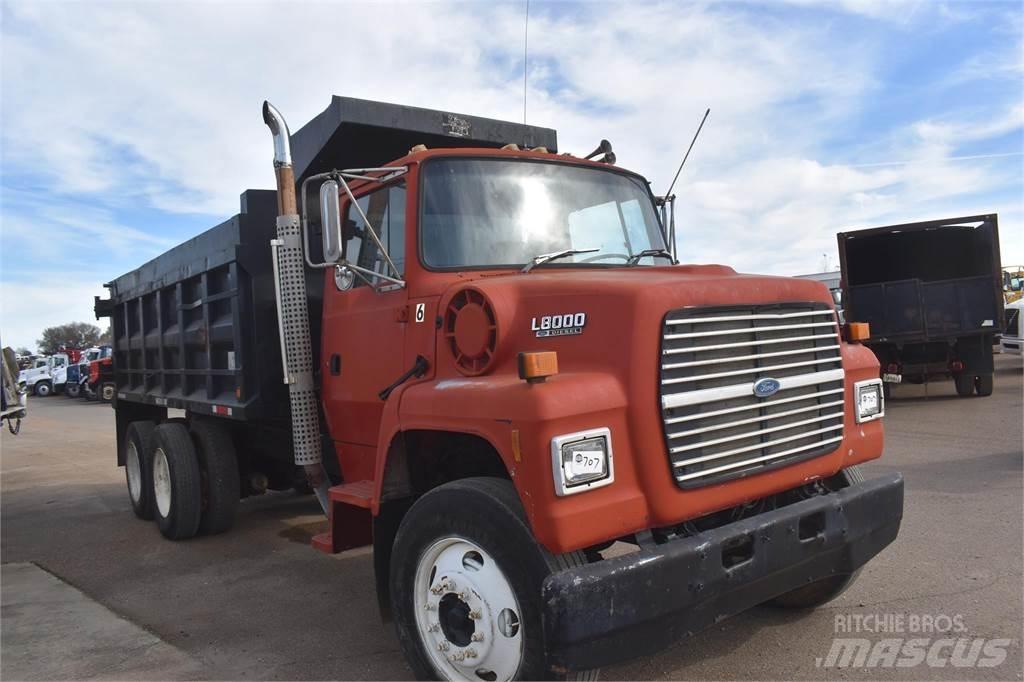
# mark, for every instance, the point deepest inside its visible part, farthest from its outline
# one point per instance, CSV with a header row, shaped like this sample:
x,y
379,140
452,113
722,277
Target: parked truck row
x,y
483,356
72,372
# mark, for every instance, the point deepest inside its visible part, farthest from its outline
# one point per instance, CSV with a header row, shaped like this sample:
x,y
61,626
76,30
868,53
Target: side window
x,y
385,209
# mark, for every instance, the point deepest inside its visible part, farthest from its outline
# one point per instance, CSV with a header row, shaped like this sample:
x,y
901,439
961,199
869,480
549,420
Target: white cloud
x,y
157,105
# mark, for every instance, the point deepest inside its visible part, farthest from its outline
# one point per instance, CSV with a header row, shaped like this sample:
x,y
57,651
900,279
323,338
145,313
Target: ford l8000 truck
x,y
482,357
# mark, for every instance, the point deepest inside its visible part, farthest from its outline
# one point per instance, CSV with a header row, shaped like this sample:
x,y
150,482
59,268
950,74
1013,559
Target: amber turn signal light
x,y
858,331
538,366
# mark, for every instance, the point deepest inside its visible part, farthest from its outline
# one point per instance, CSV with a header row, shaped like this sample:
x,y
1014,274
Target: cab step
x,y
350,520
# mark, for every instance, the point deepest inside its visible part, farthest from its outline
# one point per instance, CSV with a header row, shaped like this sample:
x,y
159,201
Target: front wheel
x,y
73,390
466,577
983,384
43,388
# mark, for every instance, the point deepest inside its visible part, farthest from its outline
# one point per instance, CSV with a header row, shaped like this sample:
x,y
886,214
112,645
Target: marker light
x,y
538,366
858,331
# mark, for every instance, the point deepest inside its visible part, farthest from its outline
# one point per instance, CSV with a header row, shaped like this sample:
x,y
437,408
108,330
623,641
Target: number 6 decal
x,y
421,311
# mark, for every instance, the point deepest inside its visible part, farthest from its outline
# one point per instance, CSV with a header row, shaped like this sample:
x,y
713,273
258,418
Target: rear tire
x,y
218,467
138,472
43,388
824,590
983,384
964,384
177,488
473,532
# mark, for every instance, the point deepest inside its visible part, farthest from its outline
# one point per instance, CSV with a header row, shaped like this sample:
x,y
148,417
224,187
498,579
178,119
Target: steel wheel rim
x,y
133,467
162,483
467,616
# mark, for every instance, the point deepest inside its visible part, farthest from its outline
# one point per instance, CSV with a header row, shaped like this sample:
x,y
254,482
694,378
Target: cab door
x,y
364,330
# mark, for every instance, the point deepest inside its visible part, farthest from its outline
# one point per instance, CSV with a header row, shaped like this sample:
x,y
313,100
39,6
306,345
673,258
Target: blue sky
x,y
129,127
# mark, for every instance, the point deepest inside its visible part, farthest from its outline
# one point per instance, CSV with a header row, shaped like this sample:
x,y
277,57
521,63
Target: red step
x,y
356,494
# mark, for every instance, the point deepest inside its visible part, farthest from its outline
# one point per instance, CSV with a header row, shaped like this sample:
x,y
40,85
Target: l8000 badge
x,y
559,325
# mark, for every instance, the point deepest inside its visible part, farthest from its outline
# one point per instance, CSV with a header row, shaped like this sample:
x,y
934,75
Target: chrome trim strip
x,y
753,406
754,420
748,330
750,370
741,344
758,446
758,432
708,395
765,316
742,358
736,465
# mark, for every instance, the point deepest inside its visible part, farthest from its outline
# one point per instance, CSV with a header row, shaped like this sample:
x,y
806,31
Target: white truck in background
x,y
46,374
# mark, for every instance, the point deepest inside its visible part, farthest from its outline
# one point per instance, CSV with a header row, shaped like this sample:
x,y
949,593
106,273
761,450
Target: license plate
x,y
892,378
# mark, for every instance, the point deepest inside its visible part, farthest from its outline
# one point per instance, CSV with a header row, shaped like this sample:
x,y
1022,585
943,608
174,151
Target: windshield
x,y
494,212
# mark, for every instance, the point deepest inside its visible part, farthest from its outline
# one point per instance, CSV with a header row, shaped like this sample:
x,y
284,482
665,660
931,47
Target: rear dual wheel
x,y
187,480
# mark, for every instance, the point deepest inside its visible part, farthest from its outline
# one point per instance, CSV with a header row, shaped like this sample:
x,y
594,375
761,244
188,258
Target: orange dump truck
x,y
483,358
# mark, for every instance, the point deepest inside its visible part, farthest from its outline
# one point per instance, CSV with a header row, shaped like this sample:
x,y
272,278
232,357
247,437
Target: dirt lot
x,y
258,603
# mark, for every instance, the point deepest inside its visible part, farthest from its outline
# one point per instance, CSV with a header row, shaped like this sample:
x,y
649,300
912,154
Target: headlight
x,y
869,400
582,461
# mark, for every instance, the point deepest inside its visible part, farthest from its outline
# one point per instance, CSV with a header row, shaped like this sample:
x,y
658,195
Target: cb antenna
x,y
526,45
687,155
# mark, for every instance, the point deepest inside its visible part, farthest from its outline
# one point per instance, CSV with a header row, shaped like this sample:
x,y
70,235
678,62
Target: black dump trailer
x,y
932,294
196,328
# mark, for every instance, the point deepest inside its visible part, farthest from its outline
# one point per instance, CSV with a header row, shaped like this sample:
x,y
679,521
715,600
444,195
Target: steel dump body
x,y
924,281
195,328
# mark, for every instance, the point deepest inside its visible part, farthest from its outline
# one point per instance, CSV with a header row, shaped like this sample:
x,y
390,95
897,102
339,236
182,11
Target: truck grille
x,y
1012,322
711,357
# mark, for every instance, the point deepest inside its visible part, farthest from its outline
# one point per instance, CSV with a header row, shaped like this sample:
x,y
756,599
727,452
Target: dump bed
x,y
196,327
924,281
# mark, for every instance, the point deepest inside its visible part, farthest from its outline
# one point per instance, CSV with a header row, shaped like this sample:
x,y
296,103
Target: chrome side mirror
x,y
330,217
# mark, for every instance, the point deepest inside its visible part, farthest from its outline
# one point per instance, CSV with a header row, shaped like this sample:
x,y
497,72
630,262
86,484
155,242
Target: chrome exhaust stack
x,y
290,292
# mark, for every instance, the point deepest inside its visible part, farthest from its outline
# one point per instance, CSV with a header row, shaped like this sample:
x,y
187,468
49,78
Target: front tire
x,y
73,390
466,576
177,491
983,384
138,472
43,388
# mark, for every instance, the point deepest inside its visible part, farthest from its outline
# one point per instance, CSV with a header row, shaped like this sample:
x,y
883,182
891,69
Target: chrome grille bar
x,y
754,420
732,318
719,361
748,330
755,406
757,460
742,344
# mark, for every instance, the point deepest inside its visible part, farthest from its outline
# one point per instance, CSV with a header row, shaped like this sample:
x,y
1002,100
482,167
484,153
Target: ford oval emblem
x,y
766,387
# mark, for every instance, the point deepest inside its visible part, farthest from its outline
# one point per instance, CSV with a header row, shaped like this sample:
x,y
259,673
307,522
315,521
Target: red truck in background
x,y
484,359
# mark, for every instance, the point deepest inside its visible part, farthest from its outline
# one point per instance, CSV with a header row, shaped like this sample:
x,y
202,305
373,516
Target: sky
x,y
126,128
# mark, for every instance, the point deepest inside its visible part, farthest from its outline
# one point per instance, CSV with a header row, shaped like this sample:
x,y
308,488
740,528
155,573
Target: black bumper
x,y
633,605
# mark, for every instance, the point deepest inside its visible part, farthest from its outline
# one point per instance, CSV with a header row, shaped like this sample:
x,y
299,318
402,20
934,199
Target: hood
x,y
597,318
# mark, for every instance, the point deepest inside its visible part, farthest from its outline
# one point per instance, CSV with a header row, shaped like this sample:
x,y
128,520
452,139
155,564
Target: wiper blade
x,y
554,255
635,258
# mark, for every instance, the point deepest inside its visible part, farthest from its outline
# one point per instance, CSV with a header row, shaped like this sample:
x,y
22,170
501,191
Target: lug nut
x,y
475,615
477,637
470,653
443,646
429,607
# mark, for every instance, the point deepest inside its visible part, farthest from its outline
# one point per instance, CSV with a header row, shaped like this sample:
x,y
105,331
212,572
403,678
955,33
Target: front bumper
x,y
633,605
